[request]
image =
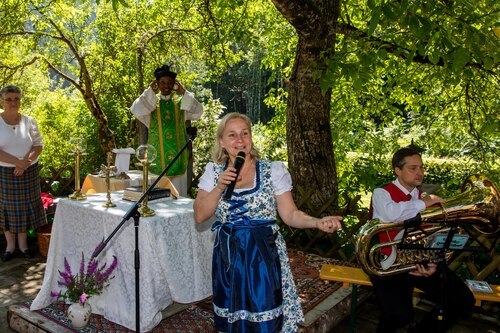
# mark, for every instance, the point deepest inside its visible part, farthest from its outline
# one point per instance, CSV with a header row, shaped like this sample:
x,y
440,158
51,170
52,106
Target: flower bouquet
x,y
91,279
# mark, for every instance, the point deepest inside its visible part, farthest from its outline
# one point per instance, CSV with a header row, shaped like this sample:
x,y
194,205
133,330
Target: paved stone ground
x,y
20,281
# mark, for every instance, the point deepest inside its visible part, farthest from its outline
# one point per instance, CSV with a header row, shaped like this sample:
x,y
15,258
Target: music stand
x,y
443,239
133,212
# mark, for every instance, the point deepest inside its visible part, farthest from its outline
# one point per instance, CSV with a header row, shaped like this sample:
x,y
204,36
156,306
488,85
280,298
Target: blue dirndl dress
x,y
253,288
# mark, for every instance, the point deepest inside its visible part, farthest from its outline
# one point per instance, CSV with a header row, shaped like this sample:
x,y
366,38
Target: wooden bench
x,y
353,276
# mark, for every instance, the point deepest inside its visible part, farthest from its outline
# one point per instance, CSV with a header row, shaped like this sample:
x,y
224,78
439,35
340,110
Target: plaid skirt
x,y
21,207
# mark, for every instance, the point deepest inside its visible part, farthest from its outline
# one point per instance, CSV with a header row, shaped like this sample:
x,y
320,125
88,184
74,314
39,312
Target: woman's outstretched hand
x,y
329,223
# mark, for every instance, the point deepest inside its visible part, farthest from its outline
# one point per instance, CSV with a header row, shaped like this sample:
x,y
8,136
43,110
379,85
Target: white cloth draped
x,y
175,256
122,159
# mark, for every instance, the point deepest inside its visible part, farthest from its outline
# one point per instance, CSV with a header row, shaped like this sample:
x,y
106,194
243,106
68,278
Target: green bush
x,y
361,174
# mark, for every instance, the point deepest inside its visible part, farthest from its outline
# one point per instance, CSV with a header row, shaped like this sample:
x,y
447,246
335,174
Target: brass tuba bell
x,y
477,207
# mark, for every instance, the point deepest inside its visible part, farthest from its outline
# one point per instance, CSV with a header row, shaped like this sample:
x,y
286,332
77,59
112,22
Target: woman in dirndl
x,y
21,143
253,287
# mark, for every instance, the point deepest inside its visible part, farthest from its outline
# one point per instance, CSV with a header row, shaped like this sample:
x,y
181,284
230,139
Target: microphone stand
x,y
134,213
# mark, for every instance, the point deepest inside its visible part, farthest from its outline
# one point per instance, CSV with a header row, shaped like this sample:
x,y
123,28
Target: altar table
x,y
175,256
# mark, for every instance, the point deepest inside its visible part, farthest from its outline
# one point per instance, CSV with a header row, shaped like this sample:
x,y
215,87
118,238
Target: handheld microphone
x,y
238,163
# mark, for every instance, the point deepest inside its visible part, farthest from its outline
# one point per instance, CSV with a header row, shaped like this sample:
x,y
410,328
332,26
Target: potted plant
x,y
91,279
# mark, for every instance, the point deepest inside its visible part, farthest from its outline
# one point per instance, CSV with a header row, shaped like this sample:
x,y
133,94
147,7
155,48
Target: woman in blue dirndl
x,y
253,287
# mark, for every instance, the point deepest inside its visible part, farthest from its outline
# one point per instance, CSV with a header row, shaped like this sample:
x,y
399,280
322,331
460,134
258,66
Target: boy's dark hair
x,y
398,159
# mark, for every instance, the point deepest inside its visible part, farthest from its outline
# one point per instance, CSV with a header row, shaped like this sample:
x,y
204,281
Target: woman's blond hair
x,y
220,154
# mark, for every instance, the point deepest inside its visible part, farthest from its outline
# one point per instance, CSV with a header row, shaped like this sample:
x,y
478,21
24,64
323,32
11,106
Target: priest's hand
x,y
154,86
179,88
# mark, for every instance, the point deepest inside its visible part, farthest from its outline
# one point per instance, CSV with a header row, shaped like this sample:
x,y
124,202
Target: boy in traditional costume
x,y
164,107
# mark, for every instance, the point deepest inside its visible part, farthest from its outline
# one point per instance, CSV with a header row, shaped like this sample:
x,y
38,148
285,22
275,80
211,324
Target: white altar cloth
x,y
175,256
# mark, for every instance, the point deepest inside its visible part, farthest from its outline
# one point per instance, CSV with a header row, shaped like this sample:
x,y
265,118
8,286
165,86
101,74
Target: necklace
x,y
12,123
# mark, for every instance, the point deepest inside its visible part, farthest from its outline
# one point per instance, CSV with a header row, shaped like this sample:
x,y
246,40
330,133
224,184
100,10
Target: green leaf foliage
x,y
398,71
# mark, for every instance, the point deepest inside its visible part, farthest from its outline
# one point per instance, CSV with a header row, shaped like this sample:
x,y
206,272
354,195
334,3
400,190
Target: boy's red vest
x,y
397,196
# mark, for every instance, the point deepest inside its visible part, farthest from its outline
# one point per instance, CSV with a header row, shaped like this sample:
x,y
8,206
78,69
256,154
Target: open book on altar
x,y
135,192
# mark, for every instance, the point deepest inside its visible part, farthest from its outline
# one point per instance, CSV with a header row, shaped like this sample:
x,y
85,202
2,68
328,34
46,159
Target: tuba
x,y
474,211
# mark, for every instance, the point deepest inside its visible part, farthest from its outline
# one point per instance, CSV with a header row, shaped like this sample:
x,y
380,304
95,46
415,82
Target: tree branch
x,y
23,65
26,32
148,35
62,74
352,32
14,69
302,15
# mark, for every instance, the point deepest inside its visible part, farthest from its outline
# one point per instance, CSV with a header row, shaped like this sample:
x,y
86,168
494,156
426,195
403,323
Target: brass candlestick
x,y
146,155
78,151
107,169
145,210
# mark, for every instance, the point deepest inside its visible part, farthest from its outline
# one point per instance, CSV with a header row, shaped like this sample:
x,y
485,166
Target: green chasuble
x,y
167,133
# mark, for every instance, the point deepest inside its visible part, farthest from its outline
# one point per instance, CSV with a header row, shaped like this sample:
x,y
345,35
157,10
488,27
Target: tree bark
x,y
310,148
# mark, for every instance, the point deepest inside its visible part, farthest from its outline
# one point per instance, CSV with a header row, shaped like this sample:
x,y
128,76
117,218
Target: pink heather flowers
x,y
81,286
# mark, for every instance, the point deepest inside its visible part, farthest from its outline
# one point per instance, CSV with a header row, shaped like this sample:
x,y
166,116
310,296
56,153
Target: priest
x,y
164,107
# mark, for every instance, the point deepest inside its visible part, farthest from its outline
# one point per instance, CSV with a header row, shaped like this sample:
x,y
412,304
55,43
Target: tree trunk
x,y
106,136
310,147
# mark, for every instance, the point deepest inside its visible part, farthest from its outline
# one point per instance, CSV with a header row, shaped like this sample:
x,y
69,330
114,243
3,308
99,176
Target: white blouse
x,y
17,140
281,179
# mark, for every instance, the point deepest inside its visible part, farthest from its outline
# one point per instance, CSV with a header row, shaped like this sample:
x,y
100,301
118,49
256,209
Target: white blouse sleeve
x,y
35,134
191,106
206,182
144,105
281,178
